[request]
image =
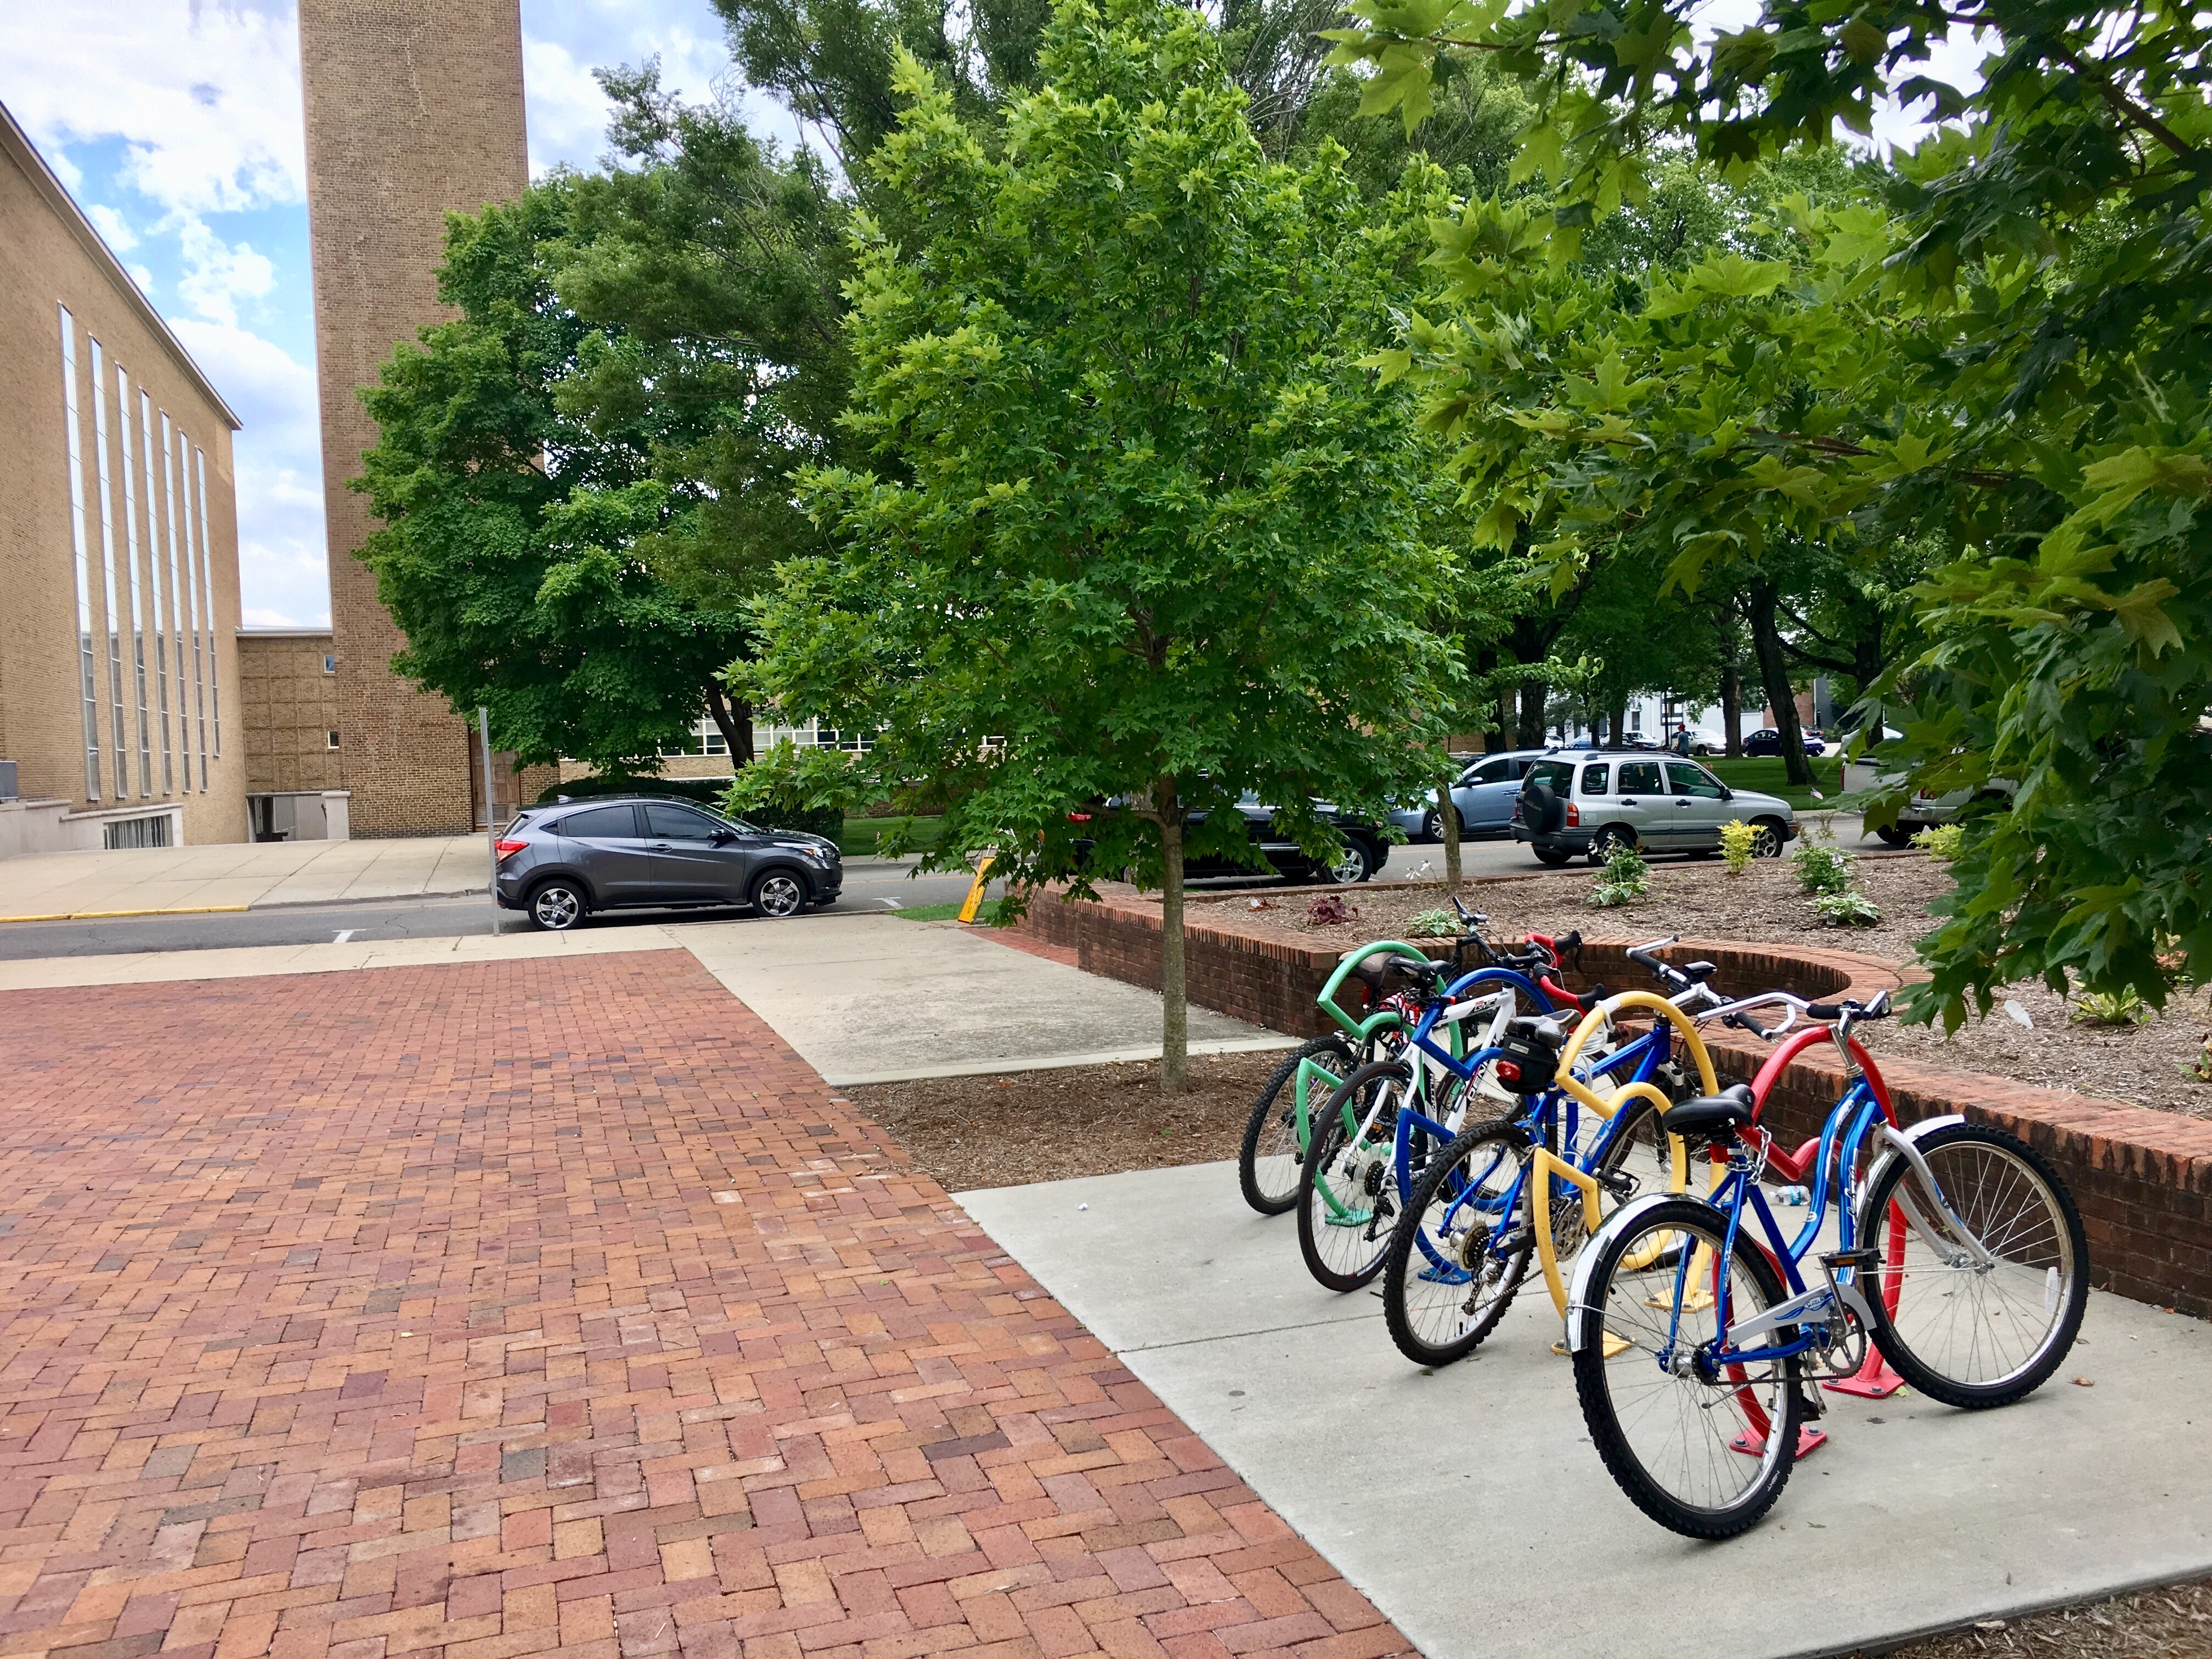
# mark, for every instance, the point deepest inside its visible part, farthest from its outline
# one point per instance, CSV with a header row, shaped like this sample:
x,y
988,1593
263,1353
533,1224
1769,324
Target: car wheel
x,y
557,905
1609,840
1895,834
1766,838
1353,865
1432,825
1554,856
778,893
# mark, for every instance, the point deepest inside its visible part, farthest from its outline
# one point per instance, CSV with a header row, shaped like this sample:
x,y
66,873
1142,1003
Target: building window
x,y
150,831
333,737
330,663
810,736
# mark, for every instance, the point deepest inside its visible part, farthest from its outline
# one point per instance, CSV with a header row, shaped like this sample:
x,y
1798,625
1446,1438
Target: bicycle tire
x,y
1342,1209
1415,1258
1259,1191
2051,1248
1620,1305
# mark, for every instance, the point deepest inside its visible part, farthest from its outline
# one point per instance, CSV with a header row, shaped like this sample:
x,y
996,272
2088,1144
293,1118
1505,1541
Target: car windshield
x,y
1555,774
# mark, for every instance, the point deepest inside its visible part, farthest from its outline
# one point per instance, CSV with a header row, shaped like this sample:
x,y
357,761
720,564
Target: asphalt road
x,y
870,885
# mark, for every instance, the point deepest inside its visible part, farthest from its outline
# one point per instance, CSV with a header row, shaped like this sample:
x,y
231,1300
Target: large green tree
x,y
584,474
2015,372
1151,537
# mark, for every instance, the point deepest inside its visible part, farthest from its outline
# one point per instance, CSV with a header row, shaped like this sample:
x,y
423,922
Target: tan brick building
x,y
118,547
414,110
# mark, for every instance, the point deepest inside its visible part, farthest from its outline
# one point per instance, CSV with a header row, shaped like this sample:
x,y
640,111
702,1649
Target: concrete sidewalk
x,y
872,999
865,998
1469,1504
239,875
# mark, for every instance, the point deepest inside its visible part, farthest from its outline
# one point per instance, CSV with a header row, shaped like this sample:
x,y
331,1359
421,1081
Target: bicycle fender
x,y
1586,1263
1888,1134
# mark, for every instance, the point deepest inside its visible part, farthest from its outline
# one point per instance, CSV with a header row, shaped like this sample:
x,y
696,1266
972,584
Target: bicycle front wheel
x,y
1703,1450
1983,1320
1273,1150
1462,1249
1347,1191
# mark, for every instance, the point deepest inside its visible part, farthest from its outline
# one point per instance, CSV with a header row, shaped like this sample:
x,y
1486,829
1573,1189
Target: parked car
x,y
1926,811
1484,793
1596,800
562,862
1768,741
1365,848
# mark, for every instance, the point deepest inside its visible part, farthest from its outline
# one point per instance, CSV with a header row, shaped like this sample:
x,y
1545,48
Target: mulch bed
x,y
971,1132
2147,1063
2174,1623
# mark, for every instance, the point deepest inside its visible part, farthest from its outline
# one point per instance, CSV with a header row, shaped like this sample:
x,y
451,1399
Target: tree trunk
x,y
1175,1016
734,719
1617,718
1731,681
1534,695
1505,720
1774,676
1448,814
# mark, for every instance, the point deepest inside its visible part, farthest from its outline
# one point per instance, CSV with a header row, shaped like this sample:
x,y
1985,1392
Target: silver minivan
x,y
1593,801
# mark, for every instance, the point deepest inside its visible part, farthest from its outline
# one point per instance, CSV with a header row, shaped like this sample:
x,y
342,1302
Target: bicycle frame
x,y
1542,1120
1458,1004
1548,1164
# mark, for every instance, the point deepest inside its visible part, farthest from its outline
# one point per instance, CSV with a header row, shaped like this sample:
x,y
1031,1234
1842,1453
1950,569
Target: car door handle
x,y
660,847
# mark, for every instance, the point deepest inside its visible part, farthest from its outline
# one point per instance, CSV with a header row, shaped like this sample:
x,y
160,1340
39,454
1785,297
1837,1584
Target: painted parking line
x,y
118,915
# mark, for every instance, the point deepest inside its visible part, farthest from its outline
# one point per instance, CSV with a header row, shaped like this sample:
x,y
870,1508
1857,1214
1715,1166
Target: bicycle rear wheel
x,y
1268,1162
1978,1329
1704,1452
1347,1191
1455,1260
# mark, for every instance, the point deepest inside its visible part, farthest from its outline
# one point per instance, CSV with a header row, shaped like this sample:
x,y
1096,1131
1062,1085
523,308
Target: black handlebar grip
x,y
1823,1011
1749,1024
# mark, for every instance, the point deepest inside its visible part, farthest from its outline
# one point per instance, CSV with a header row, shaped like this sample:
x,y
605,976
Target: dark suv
x,y
563,861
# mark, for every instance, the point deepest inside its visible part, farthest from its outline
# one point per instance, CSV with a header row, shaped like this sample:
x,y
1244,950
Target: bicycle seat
x,y
1705,1116
1384,975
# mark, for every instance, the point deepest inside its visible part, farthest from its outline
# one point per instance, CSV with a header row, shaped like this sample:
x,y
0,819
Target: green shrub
x,y
1434,924
2123,1007
1942,841
1822,868
788,788
1845,906
1626,879
1738,839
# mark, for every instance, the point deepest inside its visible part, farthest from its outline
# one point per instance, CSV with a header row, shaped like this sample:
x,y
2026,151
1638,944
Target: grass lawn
x,y
1765,775
988,914
861,838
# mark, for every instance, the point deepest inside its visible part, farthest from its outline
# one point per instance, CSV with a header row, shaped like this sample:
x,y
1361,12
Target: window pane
x,y
1497,771
1690,780
601,823
667,823
1594,778
1555,773
1641,778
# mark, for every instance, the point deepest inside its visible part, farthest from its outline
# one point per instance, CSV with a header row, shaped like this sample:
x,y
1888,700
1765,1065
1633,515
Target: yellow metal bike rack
x,y
1545,1164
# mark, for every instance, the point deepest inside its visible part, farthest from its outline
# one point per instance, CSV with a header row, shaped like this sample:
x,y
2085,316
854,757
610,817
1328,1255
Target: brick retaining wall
x,y
2143,1178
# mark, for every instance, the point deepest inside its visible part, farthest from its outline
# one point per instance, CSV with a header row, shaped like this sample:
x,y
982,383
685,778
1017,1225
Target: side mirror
x,y
721,837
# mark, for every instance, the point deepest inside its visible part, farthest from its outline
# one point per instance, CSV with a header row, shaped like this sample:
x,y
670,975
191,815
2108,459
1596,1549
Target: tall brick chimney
x,y
414,110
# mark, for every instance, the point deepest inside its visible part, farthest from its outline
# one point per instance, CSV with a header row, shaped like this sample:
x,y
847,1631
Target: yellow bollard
x,y
978,888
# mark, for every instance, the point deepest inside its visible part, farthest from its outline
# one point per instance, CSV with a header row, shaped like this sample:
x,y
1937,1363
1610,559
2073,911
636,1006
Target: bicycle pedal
x,y
1859,1260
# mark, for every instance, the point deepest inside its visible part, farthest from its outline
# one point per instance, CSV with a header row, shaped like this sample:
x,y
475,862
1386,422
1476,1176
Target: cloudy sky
x,y
176,122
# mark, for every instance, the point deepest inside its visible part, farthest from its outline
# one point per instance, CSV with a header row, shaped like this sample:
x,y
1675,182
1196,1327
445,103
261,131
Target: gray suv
x,y
1594,801
560,863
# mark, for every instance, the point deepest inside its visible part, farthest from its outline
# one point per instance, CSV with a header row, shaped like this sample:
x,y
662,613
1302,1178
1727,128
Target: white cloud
x,y
281,560
217,275
206,94
114,226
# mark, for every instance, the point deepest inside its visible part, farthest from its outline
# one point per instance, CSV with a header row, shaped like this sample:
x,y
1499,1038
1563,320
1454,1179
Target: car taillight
x,y
508,849
1574,816
1078,818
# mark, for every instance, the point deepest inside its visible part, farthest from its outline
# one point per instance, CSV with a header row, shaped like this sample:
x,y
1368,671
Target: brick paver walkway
x,y
513,1306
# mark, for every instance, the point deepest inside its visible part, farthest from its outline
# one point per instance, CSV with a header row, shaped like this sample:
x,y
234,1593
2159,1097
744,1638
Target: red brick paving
x,y
507,1307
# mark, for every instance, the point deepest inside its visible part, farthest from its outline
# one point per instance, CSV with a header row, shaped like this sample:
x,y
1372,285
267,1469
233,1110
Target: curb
x,y
112,915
